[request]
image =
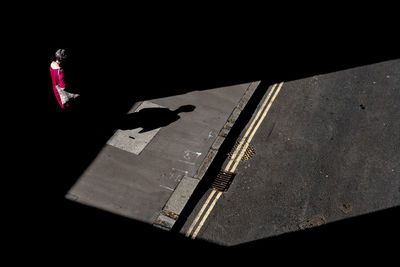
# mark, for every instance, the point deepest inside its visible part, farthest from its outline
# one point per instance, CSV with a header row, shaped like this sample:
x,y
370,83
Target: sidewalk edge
x,y
177,201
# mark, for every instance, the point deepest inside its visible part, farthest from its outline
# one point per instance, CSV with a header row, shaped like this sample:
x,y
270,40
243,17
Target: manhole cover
x,y
223,181
248,154
314,221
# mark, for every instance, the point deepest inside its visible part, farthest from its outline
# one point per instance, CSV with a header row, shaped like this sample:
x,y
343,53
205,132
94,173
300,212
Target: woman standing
x,y
57,78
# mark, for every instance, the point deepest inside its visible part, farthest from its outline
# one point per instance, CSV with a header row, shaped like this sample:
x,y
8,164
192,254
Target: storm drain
x,y
223,181
248,154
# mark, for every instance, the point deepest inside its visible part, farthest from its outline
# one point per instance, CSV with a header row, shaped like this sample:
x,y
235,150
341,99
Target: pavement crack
x,y
272,128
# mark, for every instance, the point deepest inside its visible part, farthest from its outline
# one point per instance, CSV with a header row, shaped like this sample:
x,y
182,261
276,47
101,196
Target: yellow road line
x,y
200,213
249,129
206,215
234,159
256,128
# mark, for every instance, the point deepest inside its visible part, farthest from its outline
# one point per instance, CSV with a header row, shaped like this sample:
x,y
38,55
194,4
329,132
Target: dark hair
x,y
61,55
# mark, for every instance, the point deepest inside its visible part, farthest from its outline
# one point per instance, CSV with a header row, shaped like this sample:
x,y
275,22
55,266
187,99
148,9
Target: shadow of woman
x,y
152,118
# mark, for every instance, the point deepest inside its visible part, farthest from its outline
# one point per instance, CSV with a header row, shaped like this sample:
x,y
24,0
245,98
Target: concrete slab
x,y
134,140
184,190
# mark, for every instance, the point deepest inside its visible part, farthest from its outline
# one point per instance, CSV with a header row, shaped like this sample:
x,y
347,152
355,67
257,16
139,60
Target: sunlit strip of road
x,y
200,213
235,159
249,129
246,144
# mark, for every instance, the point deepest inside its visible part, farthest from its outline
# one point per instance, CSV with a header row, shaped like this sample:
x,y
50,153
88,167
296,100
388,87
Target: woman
x,y
57,78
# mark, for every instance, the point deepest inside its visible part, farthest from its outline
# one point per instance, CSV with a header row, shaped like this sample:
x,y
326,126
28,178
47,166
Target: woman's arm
x,y
61,83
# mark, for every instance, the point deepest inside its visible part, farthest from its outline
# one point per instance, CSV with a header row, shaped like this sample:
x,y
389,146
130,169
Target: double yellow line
x,y
235,159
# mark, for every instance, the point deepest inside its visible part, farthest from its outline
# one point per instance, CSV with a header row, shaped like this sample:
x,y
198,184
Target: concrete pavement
x,y
149,168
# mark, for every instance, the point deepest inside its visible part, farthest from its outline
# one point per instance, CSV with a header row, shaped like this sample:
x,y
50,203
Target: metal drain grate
x,y
248,154
223,181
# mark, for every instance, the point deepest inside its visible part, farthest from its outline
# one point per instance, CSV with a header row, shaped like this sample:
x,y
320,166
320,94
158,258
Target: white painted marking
x,y
185,172
177,174
187,162
211,134
191,154
166,187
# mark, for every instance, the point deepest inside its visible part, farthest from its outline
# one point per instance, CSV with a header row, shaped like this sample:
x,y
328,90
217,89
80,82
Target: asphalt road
x,y
327,154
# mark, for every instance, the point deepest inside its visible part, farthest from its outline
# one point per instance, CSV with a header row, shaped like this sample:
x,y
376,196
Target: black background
x,y
120,54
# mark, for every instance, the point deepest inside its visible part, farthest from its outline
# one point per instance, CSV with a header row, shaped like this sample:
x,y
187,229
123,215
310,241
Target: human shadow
x,y
152,118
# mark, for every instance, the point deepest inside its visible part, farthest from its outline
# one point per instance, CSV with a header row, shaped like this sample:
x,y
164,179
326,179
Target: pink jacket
x,y
56,80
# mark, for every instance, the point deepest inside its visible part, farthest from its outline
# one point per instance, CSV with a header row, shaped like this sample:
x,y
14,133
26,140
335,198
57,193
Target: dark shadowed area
x,y
114,63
